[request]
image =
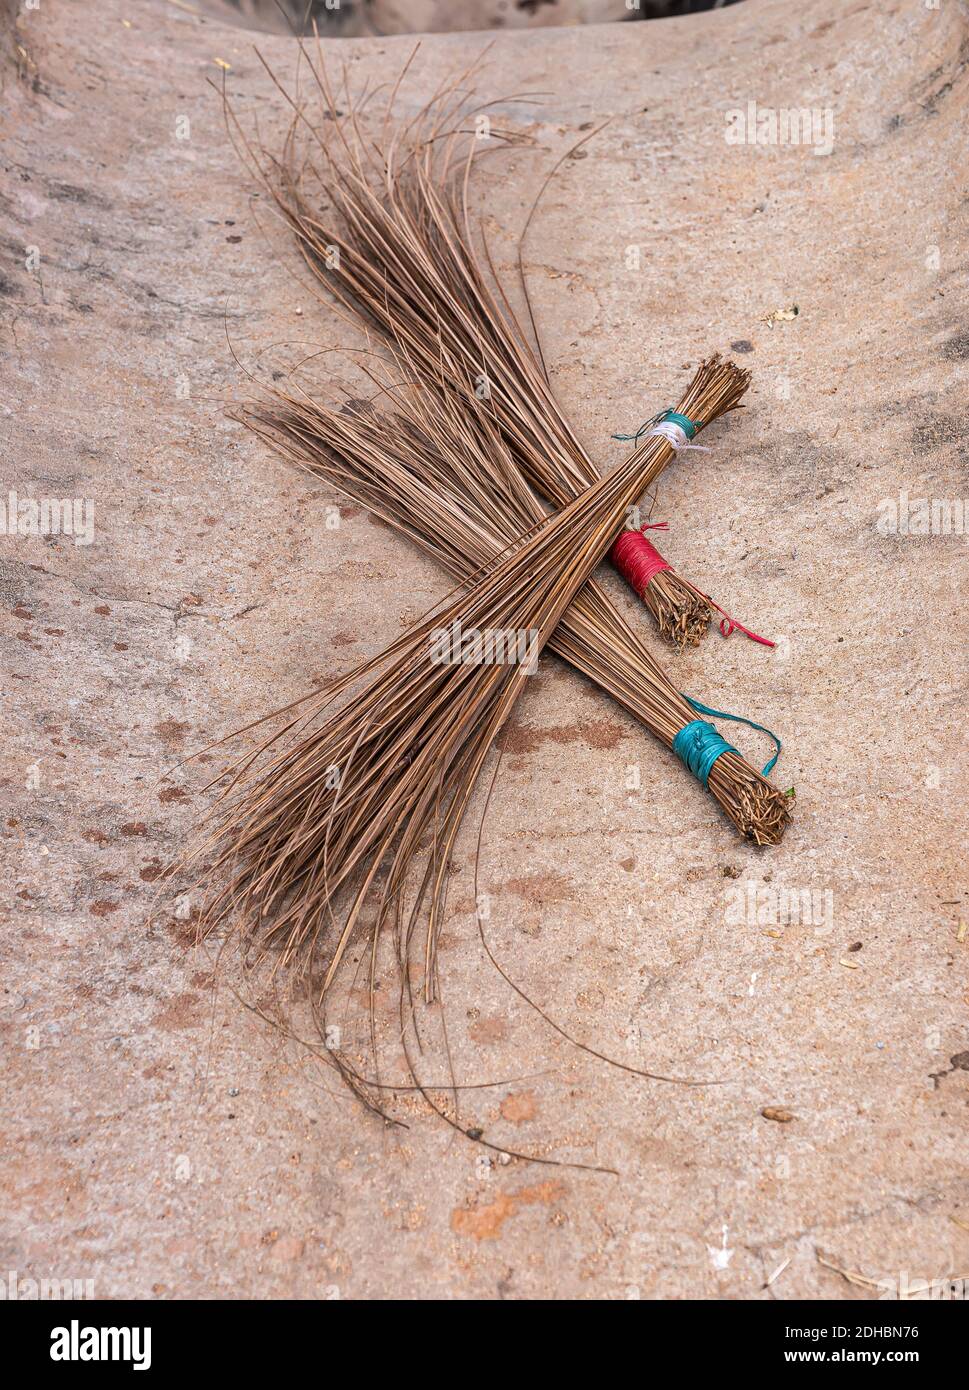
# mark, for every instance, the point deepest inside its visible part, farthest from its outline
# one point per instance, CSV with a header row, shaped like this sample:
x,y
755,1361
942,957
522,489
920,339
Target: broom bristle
x,y
349,802
681,615
395,248
345,823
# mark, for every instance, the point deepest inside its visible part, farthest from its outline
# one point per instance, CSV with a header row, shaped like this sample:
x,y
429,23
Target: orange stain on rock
x,y
168,794
543,888
485,1223
488,1030
184,1011
103,907
519,1107
593,733
171,732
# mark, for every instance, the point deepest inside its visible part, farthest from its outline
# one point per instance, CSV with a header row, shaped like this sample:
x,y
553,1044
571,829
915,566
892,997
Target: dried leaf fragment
x,y
778,1113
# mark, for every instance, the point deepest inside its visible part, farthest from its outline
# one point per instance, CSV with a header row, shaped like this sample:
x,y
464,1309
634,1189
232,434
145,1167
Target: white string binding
x,y
676,436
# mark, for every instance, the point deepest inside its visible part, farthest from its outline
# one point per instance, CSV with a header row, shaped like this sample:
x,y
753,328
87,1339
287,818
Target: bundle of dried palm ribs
x,y
339,831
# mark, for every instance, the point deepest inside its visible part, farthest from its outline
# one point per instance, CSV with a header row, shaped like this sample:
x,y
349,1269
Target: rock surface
x,y
159,1138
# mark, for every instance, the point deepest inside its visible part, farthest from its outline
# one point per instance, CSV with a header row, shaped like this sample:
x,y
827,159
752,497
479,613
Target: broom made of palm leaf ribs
x,y
442,475
359,809
384,225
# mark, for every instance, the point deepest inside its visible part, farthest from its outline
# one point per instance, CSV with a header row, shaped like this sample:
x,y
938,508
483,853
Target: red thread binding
x,y
637,559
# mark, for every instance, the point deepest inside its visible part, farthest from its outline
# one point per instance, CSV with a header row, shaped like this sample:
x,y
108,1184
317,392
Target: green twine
x,y
699,745
689,427
685,424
